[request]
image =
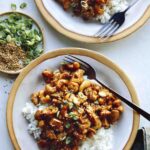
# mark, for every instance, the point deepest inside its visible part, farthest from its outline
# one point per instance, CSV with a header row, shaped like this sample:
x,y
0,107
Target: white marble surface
x,y
132,54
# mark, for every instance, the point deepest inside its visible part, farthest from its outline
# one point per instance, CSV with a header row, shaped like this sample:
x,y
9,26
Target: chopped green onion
x,y
23,5
71,105
13,6
8,38
67,125
68,140
73,116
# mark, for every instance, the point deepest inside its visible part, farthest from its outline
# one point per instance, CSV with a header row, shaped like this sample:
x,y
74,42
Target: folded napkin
x,y
142,141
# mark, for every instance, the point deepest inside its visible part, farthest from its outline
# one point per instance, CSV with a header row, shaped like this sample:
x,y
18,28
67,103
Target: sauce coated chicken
x,y
76,108
87,9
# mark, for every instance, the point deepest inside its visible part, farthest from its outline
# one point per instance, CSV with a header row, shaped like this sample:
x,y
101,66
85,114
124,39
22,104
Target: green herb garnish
x,y
71,105
23,5
13,6
73,116
67,125
68,140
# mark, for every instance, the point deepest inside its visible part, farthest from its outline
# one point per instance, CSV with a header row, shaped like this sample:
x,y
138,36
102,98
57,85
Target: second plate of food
x,y
53,105
80,20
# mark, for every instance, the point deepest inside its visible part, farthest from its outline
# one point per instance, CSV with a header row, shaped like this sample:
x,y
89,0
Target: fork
x,y
114,23
91,74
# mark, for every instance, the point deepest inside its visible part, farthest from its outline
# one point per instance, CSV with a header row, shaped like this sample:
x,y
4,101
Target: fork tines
x,y
107,30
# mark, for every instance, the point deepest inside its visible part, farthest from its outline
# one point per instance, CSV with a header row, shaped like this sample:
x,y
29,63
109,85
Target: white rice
x,y
101,141
29,112
112,7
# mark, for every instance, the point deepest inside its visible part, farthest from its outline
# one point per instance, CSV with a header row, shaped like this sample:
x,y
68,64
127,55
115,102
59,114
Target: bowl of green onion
x,y
21,41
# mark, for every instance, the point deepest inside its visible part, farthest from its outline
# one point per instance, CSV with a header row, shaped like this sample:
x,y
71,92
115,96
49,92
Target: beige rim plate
x,y
35,22
77,51
88,39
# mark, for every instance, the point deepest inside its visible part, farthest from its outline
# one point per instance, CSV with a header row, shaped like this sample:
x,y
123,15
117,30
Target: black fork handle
x,y
131,5
132,105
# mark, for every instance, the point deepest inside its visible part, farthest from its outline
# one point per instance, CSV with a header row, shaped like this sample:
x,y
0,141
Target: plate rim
x,y
76,51
88,39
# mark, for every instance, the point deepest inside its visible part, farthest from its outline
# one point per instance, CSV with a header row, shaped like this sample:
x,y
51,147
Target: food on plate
x,y
100,10
71,110
20,34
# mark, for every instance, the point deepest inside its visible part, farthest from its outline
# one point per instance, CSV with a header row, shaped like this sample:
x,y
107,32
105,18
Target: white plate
x,y
77,25
30,80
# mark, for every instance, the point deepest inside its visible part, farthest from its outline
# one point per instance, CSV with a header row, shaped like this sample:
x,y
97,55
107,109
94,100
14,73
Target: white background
x,y
132,54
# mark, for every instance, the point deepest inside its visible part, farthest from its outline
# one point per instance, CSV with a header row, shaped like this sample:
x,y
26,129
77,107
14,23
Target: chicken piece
x,y
79,136
56,102
96,87
49,111
77,76
91,94
41,94
45,99
66,75
42,143
47,75
98,10
117,103
101,101
61,136
66,4
80,110
34,98
85,84
85,122
115,115
64,111
91,132
74,99
61,82
73,86
96,107
103,93
51,135
105,113
55,123
96,123
120,108
38,115
41,123
82,98
105,123
57,95
49,89
72,66
87,14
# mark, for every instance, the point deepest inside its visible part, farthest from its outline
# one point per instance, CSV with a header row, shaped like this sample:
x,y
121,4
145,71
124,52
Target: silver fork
x,y
115,22
91,74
